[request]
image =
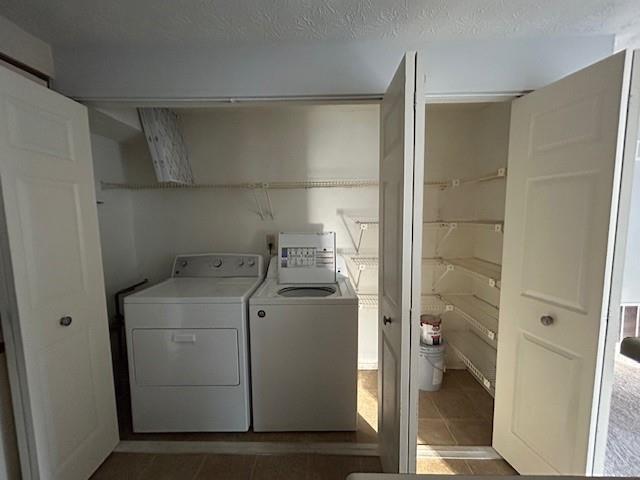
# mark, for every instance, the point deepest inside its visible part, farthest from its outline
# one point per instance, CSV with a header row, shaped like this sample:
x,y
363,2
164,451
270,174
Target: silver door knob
x,y
386,320
66,321
546,320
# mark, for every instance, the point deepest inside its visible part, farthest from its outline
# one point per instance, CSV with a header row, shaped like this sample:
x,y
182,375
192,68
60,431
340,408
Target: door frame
x,y
471,452
628,136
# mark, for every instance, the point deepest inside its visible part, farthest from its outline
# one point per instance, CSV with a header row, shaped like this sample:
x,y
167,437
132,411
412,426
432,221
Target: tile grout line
x,y
446,425
252,472
199,469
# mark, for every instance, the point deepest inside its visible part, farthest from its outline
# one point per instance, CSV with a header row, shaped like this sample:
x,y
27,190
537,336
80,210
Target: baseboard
x,y
247,448
458,453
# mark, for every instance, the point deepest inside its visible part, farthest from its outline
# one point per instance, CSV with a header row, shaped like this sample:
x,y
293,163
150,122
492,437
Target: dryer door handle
x,y
184,338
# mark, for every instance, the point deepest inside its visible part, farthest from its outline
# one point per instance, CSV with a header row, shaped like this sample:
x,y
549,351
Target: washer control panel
x,y
218,265
307,257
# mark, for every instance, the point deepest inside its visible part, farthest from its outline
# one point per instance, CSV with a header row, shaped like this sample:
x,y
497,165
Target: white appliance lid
x,y
197,290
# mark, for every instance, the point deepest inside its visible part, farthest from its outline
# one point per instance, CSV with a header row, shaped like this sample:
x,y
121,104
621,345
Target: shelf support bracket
x,y
355,278
356,244
258,206
269,205
452,227
448,268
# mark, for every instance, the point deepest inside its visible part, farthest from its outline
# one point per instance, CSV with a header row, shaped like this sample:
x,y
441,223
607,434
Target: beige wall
x,y
115,216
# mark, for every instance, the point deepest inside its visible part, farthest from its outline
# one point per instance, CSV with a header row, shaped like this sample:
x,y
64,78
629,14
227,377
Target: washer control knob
x,y
217,263
251,262
240,262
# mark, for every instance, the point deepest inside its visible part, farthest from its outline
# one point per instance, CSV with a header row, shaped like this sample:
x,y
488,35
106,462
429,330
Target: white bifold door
x,y
565,167
400,245
52,298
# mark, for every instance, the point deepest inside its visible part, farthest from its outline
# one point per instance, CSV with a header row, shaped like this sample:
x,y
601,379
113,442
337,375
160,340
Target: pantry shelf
x,y
473,267
479,314
477,356
499,174
428,306
493,225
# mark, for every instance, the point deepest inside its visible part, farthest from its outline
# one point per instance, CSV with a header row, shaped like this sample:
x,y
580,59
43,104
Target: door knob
x,y
546,320
66,321
386,320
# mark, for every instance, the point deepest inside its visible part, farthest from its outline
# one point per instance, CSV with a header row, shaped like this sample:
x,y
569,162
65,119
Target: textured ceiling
x,y
74,23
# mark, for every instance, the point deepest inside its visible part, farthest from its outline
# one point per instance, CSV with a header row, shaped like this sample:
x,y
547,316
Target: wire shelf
x,y
303,184
366,300
365,262
493,225
363,221
429,307
476,268
477,356
499,174
479,314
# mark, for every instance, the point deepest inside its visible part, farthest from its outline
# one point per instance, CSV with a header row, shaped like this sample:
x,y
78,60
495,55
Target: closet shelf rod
x,y
306,184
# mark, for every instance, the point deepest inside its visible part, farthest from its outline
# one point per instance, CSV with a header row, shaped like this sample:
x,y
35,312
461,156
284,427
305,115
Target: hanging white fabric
x,y
166,144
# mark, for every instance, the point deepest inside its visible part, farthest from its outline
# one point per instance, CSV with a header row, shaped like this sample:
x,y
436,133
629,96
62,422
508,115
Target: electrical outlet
x,y
271,243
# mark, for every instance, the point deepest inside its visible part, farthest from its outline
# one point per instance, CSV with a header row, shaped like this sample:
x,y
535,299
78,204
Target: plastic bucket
x,y
431,365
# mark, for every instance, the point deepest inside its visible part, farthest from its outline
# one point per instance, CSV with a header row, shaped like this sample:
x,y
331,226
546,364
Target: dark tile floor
x,y
140,466
460,413
136,466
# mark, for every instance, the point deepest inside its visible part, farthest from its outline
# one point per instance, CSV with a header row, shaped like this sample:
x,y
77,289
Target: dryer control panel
x,y
307,258
218,265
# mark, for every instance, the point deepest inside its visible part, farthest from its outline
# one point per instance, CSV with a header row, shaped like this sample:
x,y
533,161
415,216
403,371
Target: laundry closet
x,y
501,217
257,170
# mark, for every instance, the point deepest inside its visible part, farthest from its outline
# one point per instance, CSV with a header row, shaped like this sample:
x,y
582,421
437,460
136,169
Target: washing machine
x,y
304,340
187,342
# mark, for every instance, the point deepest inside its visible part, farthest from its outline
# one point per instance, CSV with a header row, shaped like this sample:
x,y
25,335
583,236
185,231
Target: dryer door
x,y
186,357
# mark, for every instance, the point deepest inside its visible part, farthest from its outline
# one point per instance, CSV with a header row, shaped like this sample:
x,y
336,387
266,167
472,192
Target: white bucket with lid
x,y
431,367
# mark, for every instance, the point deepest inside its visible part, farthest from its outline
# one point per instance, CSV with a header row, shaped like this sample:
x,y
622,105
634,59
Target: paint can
x,y
430,329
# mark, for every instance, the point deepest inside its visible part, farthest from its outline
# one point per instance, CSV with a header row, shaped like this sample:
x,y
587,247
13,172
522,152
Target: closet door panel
x,y
564,167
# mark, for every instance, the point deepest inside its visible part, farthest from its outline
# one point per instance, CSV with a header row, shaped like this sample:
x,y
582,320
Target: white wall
x,y
115,215
320,68
257,144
